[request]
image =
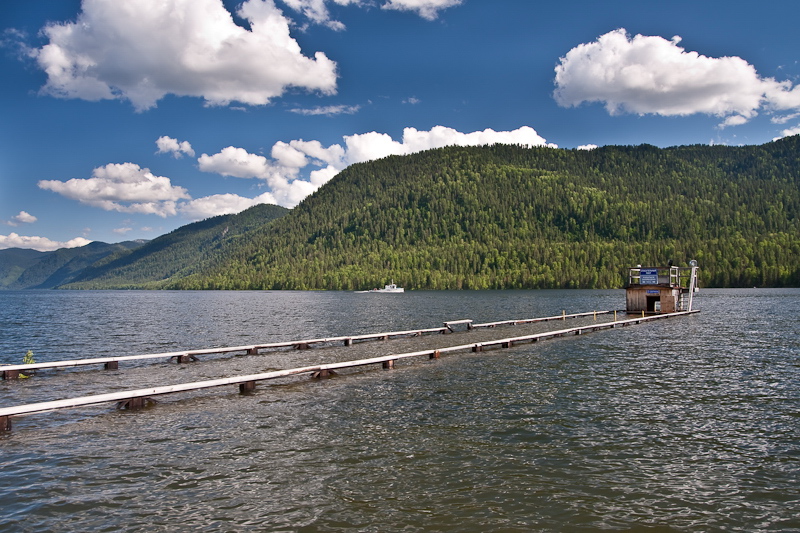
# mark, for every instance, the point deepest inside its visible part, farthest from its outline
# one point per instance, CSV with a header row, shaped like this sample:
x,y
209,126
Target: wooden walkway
x,y
133,399
185,356
112,363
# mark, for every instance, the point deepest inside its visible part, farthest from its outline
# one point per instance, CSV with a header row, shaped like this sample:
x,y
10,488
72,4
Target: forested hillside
x,y
29,269
177,254
512,217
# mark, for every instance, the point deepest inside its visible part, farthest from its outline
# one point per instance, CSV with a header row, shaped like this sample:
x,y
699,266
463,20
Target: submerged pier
x,y
138,398
186,356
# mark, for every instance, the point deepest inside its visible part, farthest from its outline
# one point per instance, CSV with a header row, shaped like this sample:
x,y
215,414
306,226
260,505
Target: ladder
x,y
687,295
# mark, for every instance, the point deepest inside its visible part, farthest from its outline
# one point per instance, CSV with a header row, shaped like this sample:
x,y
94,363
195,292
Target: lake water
x,y
685,424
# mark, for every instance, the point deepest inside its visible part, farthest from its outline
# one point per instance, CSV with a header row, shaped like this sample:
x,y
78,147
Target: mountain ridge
x,y
495,217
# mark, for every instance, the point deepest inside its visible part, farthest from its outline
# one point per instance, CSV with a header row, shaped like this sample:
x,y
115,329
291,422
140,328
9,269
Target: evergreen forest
x,y
501,217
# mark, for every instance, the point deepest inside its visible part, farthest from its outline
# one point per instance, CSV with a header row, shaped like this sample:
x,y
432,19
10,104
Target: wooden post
x,y
132,404
388,365
183,358
348,341
112,365
252,351
302,346
5,423
247,386
477,348
506,344
615,316
11,374
436,354
323,374
564,315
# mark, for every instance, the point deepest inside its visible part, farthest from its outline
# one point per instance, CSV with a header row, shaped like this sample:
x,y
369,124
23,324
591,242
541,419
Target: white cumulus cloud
x,y
317,10
22,218
168,145
221,204
279,174
652,75
784,118
142,50
788,133
373,145
282,171
427,9
236,162
42,244
124,187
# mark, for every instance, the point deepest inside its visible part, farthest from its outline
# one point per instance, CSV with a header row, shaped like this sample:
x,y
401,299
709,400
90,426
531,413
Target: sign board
x,y
648,276
652,291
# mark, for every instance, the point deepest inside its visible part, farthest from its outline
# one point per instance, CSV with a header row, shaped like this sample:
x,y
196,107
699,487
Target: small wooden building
x,y
661,289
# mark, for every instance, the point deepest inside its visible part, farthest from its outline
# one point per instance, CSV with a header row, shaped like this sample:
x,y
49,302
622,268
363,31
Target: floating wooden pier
x,y
133,399
186,356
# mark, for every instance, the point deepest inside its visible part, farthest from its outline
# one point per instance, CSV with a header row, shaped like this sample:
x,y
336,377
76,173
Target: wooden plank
x,y
450,323
534,320
8,370
11,371
127,396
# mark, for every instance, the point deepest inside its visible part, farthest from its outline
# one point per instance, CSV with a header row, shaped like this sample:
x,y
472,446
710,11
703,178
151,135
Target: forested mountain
x,y
512,217
179,253
29,269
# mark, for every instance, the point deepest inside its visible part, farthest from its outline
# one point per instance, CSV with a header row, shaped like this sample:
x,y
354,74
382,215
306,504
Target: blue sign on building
x,y
648,276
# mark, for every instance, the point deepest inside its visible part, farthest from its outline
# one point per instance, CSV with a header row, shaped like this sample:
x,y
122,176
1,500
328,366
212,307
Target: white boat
x,y
386,288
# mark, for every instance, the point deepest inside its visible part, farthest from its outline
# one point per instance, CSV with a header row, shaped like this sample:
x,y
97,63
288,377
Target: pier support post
x,y
506,344
323,374
11,374
133,404
348,341
5,423
436,354
111,365
302,346
477,348
247,386
182,358
388,365
252,351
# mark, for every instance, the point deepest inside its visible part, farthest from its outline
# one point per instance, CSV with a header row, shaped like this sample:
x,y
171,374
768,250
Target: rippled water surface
x,y
685,424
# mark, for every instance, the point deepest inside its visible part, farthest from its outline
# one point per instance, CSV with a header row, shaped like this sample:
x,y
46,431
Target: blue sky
x,y
126,120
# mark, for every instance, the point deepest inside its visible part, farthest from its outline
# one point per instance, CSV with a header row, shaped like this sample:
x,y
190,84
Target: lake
x,y
685,424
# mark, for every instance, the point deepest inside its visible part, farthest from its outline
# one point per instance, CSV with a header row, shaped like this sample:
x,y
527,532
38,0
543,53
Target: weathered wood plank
x,y
541,319
12,371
